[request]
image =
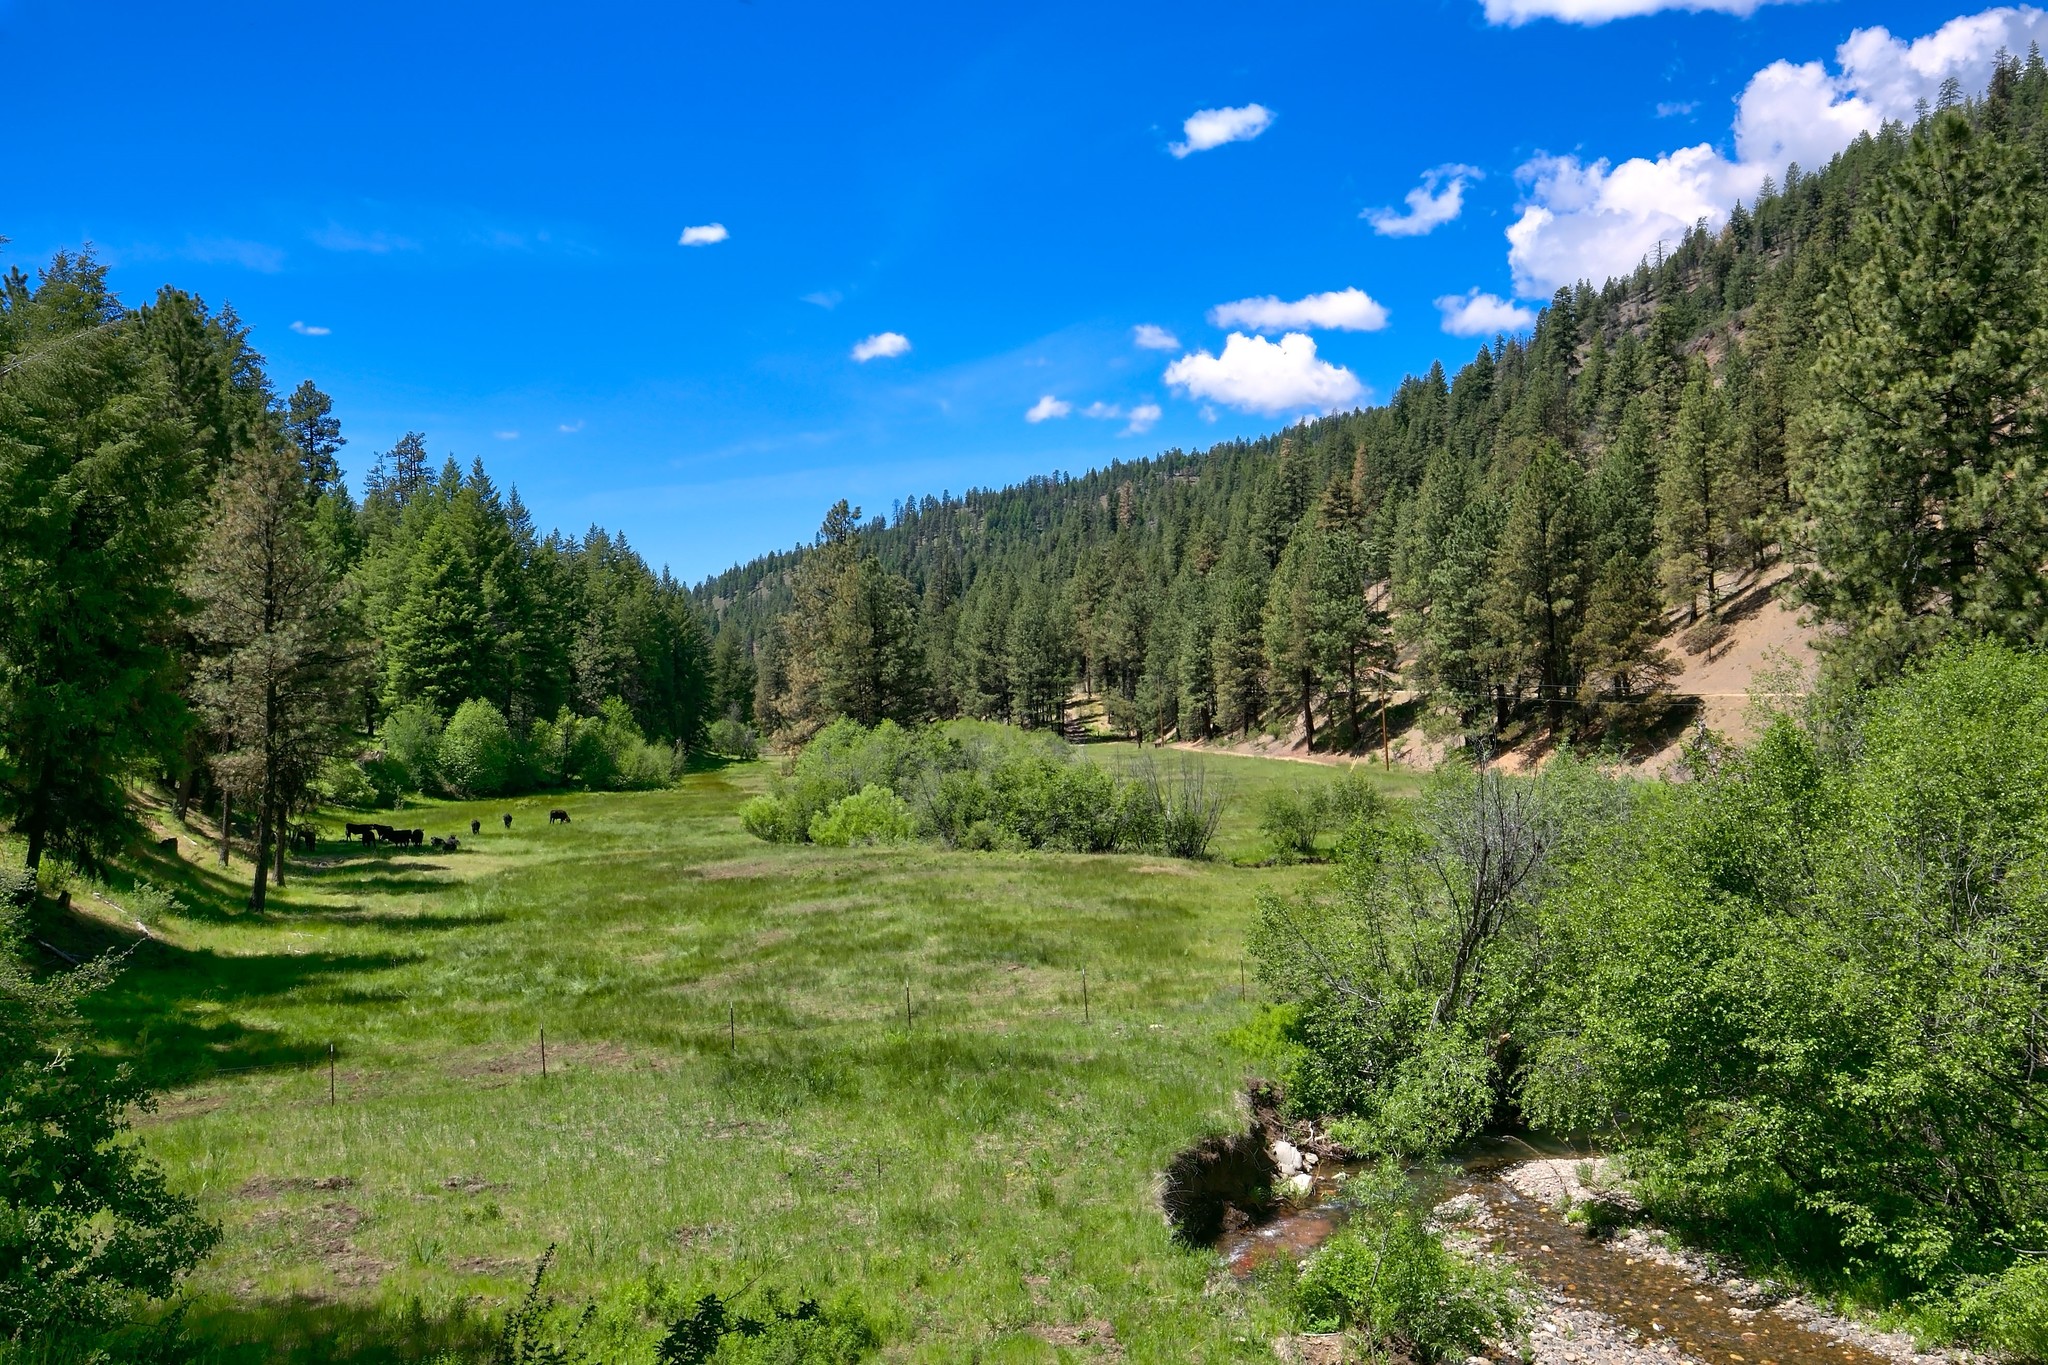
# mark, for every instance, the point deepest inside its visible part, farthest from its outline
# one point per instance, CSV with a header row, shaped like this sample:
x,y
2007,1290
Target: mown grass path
x,y
733,1094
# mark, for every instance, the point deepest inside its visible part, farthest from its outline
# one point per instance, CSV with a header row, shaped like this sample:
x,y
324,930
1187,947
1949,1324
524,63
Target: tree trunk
x,y
35,845
262,855
284,839
1308,708
227,823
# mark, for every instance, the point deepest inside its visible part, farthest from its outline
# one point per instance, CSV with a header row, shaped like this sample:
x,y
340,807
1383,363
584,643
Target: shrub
x,y
872,815
1188,811
2006,1314
343,782
1387,1275
979,785
1292,817
17,888
773,819
475,753
411,739
733,738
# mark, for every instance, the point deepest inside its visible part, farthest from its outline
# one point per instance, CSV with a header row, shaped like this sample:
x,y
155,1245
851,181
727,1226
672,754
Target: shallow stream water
x,y
1660,1306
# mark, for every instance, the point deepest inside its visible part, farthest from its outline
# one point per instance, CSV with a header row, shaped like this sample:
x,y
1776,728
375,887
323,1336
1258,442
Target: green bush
x,y
1292,817
475,755
2005,1314
977,785
344,782
773,819
1387,1275
411,739
733,738
872,815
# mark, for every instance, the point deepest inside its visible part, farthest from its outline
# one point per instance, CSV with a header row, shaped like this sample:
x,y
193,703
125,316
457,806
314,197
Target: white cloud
x,y
506,435
1048,406
1676,108
1147,336
305,331
335,237
1256,375
570,428
1600,11
1473,314
1595,220
258,256
882,345
1206,128
827,299
1137,419
705,234
1429,208
1343,310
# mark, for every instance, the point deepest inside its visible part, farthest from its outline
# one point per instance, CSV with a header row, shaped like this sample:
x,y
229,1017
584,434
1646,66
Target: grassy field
x,y
734,1095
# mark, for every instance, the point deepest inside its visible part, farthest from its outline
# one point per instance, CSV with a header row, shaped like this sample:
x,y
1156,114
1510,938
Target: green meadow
x,y
936,1085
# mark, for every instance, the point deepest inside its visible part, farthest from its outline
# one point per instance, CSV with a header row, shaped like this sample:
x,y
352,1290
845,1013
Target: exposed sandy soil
x,y
1763,635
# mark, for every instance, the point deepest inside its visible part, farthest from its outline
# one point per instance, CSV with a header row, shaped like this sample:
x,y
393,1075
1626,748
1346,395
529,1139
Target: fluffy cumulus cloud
x,y
308,330
1206,128
1048,407
1473,314
705,234
1257,375
1600,11
1149,337
1137,419
1592,220
1436,201
1339,310
880,346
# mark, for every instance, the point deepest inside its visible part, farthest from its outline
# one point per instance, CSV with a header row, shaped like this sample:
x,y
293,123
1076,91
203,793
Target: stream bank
x,y
1628,1299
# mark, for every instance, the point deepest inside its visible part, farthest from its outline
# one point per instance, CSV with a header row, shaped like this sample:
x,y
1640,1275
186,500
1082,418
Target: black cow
x,y
387,834
416,837
365,832
558,817
476,827
453,843
439,842
508,819
307,837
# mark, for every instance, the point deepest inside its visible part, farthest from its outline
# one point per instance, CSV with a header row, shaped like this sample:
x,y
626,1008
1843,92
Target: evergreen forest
x,y
1841,381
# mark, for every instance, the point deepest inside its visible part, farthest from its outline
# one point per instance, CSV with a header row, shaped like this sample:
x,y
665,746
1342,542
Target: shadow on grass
x,y
304,1331
161,1013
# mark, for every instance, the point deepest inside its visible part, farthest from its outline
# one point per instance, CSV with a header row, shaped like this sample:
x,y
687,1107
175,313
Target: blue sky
x,y
468,220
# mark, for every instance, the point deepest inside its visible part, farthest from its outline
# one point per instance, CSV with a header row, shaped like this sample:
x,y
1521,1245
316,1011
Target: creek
x,y
1659,1306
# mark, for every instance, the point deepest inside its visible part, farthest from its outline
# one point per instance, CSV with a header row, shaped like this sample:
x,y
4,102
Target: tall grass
x,y
734,1095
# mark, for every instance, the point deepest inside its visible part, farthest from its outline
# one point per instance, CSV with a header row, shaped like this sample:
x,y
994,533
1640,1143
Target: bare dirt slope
x,y
1762,642
1764,634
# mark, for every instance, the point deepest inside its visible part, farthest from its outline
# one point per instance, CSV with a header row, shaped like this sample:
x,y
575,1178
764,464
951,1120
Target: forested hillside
x,y
1842,378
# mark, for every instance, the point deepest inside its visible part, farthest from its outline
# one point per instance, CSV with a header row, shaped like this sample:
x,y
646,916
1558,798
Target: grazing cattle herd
x,y
307,836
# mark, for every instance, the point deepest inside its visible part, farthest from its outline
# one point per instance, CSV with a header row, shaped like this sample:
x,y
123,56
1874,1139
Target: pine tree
x,y
1537,599
1290,627
1350,635
275,687
99,481
1238,595
1918,459
1620,641
1693,496
850,643
315,432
